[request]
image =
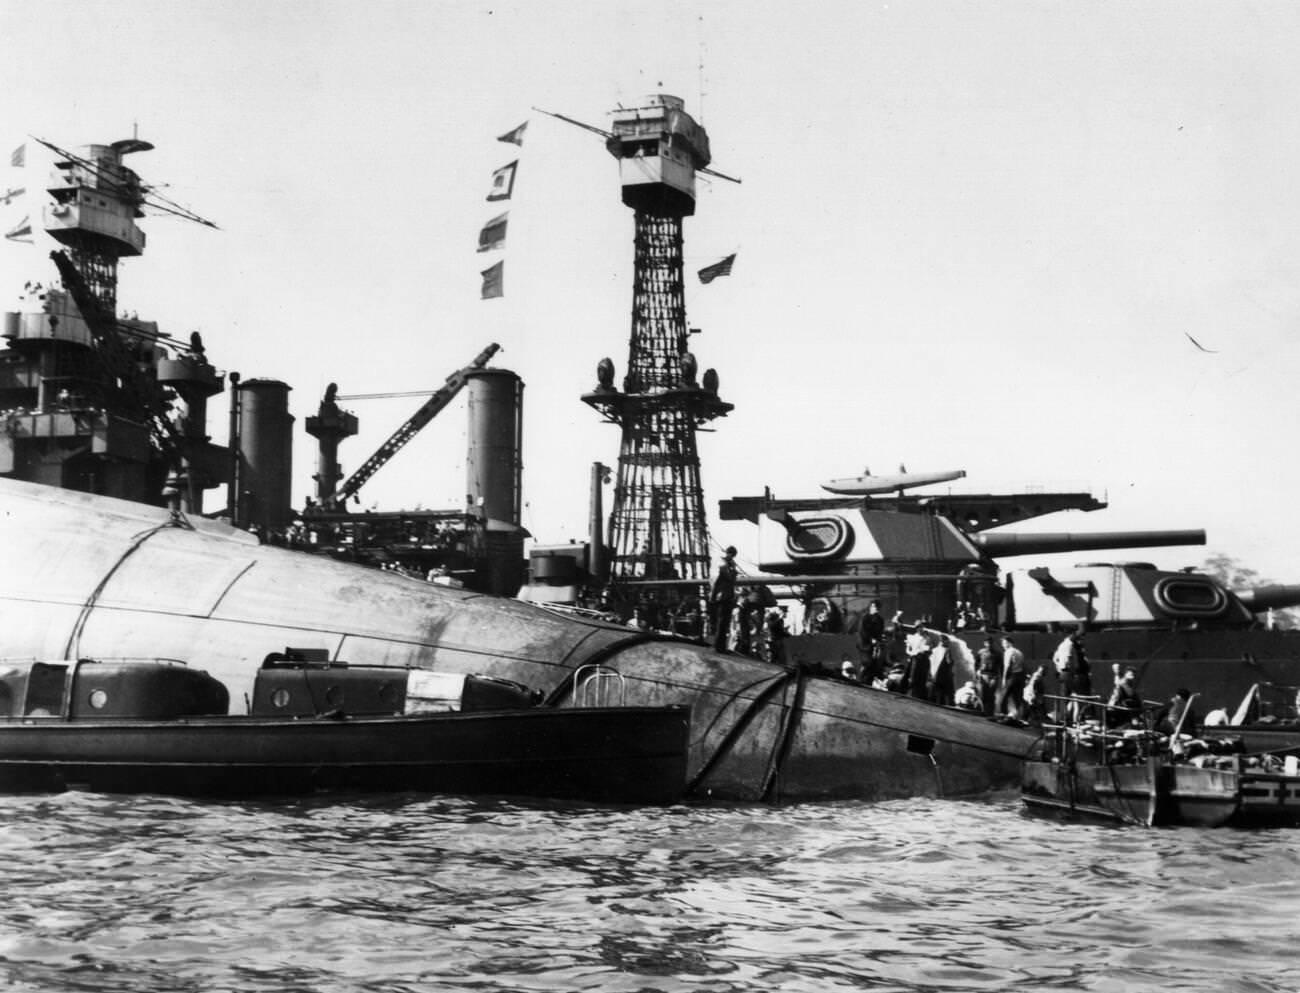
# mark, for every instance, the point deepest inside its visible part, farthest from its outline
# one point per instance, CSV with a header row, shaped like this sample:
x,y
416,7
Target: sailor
x,y
988,674
968,697
1125,703
1011,694
895,680
776,632
750,607
917,680
941,664
821,616
1072,665
871,641
722,599
1178,715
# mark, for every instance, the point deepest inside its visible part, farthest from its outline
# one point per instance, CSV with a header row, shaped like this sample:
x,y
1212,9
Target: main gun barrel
x,y
1275,595
998,545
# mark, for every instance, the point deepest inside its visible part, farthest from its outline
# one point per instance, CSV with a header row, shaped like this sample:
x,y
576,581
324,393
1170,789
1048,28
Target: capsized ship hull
x,y
86,575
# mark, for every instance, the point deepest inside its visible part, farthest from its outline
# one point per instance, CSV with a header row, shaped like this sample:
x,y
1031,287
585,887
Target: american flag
x,y
711,272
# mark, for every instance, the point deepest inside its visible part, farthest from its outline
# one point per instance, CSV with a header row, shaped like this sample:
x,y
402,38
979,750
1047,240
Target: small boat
x,y
870,485
1136,775
159,726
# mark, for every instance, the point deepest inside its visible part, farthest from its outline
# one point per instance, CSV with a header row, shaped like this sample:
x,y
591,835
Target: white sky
x,y
970,235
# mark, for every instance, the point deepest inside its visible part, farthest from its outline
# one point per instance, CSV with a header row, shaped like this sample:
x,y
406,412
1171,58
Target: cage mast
x,y
658,530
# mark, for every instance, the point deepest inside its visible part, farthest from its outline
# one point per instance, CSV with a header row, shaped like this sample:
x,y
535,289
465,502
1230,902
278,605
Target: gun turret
x,y
998,545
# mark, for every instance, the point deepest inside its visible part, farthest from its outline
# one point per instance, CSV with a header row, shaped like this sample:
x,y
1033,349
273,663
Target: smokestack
x,y
494,470
233,508
597,561
266,454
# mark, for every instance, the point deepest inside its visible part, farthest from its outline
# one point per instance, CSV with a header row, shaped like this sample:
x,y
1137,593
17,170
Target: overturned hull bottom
x,y
605,755
85,576
861,742
763,733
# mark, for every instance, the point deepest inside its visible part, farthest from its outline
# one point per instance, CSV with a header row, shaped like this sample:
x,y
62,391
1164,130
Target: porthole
x,y
334,696
280,698
99,699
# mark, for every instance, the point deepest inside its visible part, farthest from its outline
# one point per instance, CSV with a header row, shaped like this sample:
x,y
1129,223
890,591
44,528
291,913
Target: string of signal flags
x,y
492,237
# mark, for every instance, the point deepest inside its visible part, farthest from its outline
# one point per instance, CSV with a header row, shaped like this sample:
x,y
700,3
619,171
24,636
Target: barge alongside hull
x,y
1161,793
1136,773
92,576
159,726
606,755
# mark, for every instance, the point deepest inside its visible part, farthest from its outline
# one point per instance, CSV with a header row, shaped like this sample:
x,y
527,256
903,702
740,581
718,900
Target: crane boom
x,y
427,412
140,393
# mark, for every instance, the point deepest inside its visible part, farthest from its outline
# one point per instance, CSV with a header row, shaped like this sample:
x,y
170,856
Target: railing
x,y
1083,722
598,686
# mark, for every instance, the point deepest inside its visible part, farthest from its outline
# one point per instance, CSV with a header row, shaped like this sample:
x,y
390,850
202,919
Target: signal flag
x,y
503,182
22,231
711,272
493,234
19,155
494,281
515,137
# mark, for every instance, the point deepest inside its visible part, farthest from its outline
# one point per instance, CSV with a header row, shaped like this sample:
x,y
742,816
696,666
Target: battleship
x,y
107,461
938,558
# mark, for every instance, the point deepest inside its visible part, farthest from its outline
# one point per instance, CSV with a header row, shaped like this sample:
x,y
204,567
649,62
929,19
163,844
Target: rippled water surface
x,y
109,893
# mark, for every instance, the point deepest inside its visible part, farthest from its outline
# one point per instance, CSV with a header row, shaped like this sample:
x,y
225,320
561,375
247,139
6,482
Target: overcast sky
x,y
970,236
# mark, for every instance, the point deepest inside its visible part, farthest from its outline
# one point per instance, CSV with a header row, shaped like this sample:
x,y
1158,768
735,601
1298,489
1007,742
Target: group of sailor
x,y
1004,684
923,662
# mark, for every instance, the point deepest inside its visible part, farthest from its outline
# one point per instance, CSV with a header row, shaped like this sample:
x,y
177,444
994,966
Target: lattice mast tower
x,y
657,528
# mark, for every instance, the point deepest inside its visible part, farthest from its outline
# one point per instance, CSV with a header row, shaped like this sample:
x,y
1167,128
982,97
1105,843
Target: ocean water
x,y
409,893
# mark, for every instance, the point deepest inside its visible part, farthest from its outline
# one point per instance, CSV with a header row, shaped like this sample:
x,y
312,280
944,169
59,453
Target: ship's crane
x,y
427,412
139,392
